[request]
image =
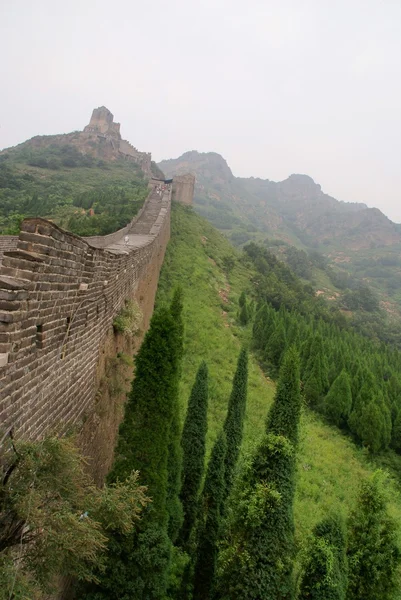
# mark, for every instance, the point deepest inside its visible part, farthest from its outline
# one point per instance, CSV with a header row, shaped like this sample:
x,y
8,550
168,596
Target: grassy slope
x,y
61,186
330,465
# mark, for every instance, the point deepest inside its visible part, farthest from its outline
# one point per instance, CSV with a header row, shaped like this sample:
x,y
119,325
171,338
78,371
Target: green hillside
x,y
80,193
330,465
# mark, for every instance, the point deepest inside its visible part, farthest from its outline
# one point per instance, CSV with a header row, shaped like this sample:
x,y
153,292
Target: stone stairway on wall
x,y
148,217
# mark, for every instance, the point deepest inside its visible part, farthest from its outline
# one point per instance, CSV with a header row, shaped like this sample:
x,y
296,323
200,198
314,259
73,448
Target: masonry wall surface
x,y
58,299
183,188
7,243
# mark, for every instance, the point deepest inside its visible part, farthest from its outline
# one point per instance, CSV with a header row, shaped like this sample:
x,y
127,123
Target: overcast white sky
x,y
275,86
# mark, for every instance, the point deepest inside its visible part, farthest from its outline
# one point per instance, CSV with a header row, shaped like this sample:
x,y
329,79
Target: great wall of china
x,y
59,295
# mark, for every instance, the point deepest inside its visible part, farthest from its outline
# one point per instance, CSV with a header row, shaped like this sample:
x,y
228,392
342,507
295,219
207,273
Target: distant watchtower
x,y
102,122
183,188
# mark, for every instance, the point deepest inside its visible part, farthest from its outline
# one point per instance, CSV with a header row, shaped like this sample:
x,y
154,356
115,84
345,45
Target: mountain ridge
x,y
296,204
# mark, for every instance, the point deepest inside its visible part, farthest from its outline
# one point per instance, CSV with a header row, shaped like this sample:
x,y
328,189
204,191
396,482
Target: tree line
x,y
352,379
278,285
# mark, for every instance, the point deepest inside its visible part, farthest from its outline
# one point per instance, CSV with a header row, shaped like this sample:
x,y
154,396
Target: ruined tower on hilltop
x,y
102,123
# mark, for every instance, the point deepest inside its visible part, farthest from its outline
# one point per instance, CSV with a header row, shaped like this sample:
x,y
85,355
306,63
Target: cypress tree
x,y
338,402
138,564
210,522
284,415
373,551
244,314
234,423
242,299
144,433
260,326
276,345
316,373
317,355
371,422
325,574
193,445
174,465
258,559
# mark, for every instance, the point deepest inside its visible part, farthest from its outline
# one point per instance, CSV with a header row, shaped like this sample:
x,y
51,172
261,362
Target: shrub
x,y
128,319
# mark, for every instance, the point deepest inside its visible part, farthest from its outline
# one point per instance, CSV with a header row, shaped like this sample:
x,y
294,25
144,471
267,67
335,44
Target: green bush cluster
x,y
128,319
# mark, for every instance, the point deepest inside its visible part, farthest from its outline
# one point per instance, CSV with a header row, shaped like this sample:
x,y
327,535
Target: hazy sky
x,y
275,86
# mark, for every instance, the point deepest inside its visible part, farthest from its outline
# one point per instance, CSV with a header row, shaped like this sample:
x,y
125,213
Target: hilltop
x,y
101,139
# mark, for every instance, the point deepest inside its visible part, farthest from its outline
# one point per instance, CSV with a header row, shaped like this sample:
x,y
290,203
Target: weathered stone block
x,y
3,359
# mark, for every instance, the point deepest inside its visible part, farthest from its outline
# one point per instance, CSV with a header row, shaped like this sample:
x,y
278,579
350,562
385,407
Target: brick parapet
x,y
102,241
59,296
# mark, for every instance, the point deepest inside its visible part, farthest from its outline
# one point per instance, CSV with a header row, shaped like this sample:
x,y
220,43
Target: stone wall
x,y
7,243
58,299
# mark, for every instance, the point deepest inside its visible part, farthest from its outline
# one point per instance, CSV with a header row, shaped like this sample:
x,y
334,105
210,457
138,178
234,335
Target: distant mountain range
x,y
360,246
294,210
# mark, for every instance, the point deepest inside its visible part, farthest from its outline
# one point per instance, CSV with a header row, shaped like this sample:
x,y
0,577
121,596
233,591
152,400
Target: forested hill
x,y
360,244
242,493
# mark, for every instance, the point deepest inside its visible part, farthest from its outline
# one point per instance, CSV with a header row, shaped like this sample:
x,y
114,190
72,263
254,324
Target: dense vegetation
x,y
258,556
350,378
54,520
198,255
83,195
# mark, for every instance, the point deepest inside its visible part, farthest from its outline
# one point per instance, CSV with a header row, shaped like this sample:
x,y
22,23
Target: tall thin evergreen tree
x,y
338,401
174,465
234,423
373,551
258,559
137,565
325,573
210,517
193,444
